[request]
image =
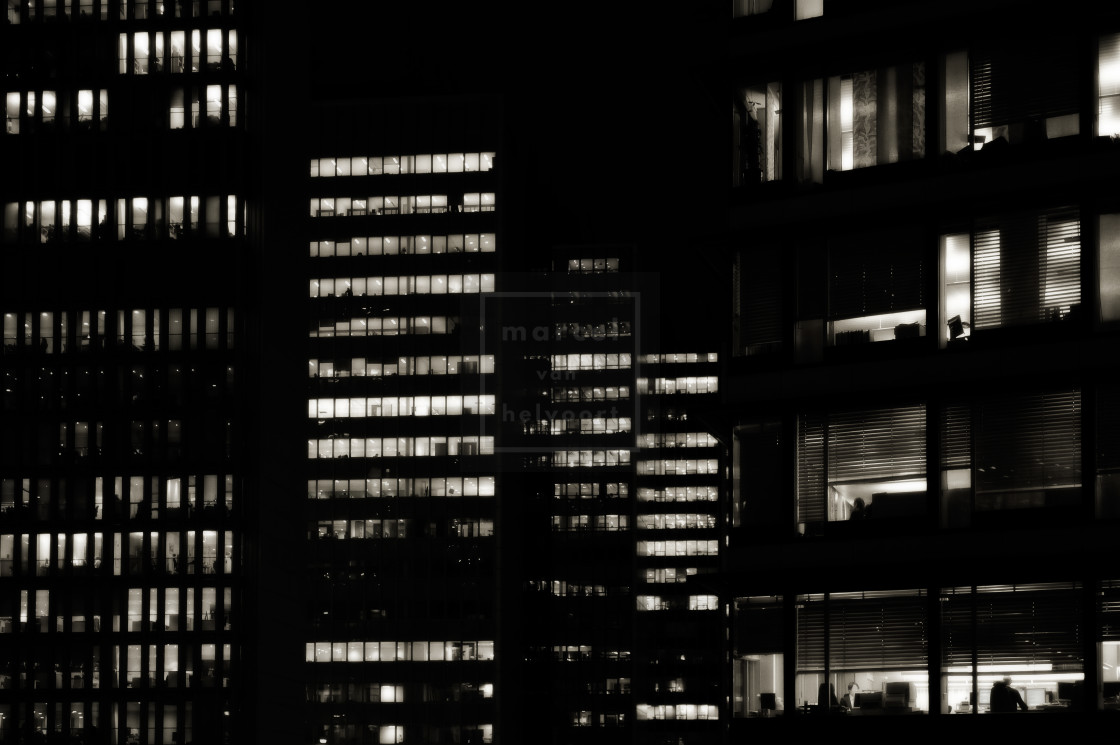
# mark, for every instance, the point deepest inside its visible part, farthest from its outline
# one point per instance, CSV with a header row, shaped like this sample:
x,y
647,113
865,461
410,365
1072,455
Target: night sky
x,y
624,121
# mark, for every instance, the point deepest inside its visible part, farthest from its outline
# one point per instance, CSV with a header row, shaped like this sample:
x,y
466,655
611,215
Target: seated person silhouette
x,y
826,697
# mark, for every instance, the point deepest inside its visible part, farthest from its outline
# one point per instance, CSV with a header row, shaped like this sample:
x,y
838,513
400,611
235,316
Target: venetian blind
x,y
810,633
759,282
880,632
1025,625
957,628
1026,268
956,436
874,279
1012,625
1023,78
1028,442
1110,611
877,444
810,469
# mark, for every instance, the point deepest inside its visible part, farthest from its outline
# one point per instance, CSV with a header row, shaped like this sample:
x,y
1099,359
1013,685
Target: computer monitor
x,y
1070,692
869,700
896,694
768,701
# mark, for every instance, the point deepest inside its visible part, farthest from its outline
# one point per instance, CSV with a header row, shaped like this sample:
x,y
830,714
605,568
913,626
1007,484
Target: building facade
x,y
402,478
922,370
122,474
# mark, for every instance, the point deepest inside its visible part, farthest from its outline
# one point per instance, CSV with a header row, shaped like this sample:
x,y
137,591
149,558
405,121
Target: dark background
x,y
613,108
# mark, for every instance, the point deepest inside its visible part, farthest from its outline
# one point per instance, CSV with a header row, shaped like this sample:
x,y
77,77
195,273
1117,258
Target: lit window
x,y
1033,636
1108,86
876,117
861,463
878,641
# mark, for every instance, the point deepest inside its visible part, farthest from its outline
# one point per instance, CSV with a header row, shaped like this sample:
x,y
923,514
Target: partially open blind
x,y
871,277
1026,625
877,444
881,632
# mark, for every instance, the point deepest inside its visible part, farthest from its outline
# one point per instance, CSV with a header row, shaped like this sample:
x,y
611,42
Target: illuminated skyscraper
x,y
121,471
402,475
264,473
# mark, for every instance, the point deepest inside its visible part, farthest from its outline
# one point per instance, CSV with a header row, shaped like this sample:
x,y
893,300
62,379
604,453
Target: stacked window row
x,y
561,588
79,110
148,553
1016,269
426,284
362,407
137,218
678,466
456,527
391,245
168,609
1007,451
682,384
392,447
435,486
117,497
1002,91
700,493
590,458
172,329
591,490
422,204
32,11
399,651
587,393
597,523
384,326
144,52
423,365
395,164
873,649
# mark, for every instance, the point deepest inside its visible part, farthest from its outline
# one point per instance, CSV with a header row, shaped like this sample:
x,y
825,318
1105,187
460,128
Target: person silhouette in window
x,y
826,697
1004,698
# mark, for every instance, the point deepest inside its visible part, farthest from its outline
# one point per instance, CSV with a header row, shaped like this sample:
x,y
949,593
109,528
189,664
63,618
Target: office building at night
x,y
923,371
612,505
402,475
122,471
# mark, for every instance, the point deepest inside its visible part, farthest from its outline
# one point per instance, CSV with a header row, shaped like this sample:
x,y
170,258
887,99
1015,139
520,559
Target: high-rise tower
x,y
122,459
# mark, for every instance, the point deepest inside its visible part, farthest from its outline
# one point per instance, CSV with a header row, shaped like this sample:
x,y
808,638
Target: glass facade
x,y
402,478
